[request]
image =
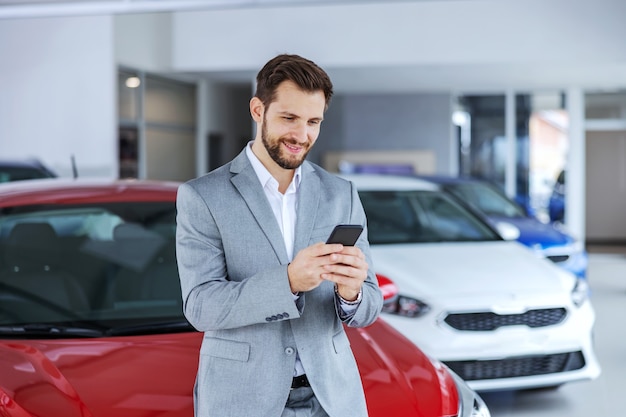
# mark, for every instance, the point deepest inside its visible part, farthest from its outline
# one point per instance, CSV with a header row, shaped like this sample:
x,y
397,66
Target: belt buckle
x,y
301,382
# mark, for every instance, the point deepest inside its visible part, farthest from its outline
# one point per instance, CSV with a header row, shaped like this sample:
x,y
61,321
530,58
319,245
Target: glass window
x,y
541,131
128,148
482,137
157,127
543,144
611,106
170,102
128,95
97,268
170,154
420,217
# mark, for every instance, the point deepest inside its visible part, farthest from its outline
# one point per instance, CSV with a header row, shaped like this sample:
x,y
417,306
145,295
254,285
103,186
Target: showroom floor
x,y
601,397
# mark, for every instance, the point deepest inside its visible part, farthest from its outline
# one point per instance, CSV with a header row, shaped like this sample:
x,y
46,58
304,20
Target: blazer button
x,y
268,319
290,351
279,316
286,315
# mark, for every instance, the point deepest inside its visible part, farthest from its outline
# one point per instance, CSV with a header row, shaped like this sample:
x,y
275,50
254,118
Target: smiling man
x,y
256,276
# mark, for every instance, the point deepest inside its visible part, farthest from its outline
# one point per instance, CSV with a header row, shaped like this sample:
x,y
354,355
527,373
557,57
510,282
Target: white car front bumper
x,y
512,356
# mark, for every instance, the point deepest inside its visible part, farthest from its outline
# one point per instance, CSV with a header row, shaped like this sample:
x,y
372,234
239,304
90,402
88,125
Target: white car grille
x,y
488,321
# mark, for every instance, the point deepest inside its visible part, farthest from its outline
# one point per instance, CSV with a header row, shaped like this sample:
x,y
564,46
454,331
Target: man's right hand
x,y
307,266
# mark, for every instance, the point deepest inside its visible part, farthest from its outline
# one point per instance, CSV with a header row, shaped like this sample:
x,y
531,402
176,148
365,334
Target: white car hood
x,y
467,268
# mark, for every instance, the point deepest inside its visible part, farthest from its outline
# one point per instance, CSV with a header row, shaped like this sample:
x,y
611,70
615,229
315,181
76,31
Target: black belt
x,y
300,381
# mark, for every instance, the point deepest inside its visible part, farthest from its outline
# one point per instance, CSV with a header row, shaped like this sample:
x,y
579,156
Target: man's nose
x,y
300,132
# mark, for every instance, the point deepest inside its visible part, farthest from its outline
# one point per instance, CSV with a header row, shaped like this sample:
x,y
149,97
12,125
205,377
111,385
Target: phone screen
x,y
346,234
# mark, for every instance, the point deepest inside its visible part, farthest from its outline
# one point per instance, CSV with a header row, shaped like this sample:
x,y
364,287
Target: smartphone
x,y
346,234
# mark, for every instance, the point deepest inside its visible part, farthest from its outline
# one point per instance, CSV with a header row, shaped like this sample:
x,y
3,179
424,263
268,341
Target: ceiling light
x,y
133,82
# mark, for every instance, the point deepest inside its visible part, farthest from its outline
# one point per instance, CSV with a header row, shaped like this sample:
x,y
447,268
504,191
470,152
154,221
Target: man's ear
x,y
256,109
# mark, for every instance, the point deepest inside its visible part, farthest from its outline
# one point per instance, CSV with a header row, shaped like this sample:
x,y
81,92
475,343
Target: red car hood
x,y
137,376
123,376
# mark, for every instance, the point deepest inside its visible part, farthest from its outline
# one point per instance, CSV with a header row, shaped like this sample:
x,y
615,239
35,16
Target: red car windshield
x,y
91,270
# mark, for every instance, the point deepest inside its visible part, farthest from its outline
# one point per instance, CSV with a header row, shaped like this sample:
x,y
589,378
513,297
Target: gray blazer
x,y
233,272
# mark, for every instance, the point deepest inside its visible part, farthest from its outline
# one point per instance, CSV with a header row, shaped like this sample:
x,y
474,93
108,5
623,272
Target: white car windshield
x,y
420,217
486,199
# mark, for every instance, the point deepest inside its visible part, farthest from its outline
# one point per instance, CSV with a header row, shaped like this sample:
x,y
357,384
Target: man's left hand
x,y
348,269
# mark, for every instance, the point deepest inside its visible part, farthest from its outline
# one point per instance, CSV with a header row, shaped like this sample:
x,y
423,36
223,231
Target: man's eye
x,y
314,122
288,118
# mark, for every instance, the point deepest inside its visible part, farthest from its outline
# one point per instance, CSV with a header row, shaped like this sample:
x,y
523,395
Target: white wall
x,y
143,41
400,122
57,93
390,122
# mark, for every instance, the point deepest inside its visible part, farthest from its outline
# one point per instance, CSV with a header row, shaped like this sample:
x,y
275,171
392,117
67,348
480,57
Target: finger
x,y
323,249
343,270
343,280
352,260
354,251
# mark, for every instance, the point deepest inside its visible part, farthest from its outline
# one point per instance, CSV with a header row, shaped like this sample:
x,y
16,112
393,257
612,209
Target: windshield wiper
x,y
49,329
176,326
69,330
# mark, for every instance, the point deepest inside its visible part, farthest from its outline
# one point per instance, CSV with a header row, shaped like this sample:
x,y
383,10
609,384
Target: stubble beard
x,y
274,149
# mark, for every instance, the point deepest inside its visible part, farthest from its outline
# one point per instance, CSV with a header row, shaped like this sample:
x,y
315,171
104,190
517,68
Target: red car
x,y
91,319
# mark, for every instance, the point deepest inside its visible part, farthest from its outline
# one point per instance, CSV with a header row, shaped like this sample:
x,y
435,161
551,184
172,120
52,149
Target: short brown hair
x,y
303,72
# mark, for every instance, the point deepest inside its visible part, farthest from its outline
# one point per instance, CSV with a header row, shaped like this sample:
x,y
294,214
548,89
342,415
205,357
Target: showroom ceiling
x,y
48,8
398,77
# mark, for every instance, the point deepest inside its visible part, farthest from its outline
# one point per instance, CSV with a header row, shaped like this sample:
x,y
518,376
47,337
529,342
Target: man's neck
x,y
282,175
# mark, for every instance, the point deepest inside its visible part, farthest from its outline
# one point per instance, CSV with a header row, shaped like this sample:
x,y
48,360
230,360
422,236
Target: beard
x,y
275,151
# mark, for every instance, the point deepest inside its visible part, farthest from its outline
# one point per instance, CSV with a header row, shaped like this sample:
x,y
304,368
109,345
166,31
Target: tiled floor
x,y
606,395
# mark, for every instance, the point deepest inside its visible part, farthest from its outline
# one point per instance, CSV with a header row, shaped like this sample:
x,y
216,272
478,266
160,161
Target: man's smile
x,y
292,148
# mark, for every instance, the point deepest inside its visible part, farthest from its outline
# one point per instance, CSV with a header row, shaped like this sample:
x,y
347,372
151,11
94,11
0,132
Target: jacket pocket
x,y
225,349
341,342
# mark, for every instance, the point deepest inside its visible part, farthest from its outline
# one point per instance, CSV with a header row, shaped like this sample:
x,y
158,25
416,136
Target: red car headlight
x,y
406,306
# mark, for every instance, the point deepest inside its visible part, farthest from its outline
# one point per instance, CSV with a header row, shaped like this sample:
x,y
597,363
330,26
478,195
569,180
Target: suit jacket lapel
x,y
308,201
248,185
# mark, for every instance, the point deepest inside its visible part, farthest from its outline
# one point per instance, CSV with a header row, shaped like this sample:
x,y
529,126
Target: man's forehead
x,y
292,99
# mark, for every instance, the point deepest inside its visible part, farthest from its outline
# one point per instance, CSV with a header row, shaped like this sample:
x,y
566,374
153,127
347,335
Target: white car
x,y
490,309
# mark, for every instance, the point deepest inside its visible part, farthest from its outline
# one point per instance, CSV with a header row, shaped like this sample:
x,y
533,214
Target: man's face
x,y
291,124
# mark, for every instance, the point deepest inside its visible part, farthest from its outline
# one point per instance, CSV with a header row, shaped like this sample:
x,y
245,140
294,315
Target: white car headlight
x,y
577,246
580,292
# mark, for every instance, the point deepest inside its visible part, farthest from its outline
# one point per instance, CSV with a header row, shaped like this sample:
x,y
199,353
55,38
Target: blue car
x,y
556,205
548,240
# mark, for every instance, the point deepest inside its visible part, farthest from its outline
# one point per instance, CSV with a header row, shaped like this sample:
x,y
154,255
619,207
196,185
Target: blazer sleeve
x,y
371,303
210,300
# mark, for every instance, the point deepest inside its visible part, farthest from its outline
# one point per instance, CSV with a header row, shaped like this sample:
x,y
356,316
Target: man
x,y
256,276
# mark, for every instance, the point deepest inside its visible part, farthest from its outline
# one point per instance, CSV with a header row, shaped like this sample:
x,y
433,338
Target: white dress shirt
x,y
285,207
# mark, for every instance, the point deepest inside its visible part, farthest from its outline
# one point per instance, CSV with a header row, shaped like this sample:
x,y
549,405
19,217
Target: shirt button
x,y
289,351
